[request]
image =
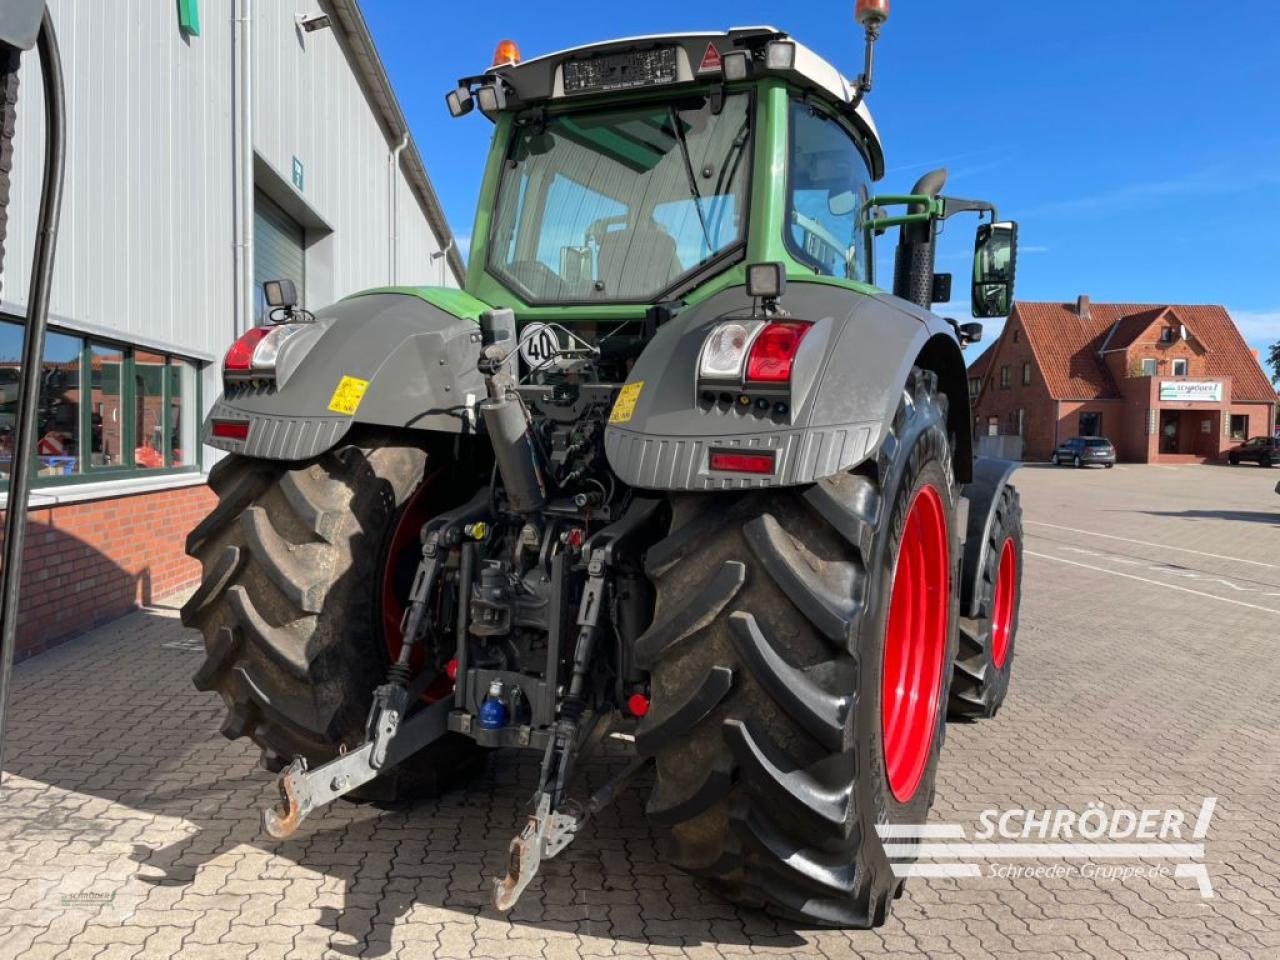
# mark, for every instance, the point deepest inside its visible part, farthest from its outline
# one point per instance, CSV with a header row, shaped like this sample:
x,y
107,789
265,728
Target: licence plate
x,y
621,71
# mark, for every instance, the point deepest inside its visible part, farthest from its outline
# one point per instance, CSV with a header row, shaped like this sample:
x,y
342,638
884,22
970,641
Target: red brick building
x,y
1166,383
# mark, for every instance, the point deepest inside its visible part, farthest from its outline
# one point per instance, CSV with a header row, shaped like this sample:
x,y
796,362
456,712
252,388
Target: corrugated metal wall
x,y
146,248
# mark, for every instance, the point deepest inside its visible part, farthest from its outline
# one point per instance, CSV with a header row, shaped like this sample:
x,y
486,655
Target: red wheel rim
x,y
915,644
1002,604
398,570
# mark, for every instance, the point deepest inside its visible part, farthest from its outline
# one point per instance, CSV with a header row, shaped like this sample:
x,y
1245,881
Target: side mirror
x,y
995,255
842,204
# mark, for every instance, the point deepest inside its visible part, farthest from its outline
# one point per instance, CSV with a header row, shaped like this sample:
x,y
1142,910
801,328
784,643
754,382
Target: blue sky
x,y
1137,143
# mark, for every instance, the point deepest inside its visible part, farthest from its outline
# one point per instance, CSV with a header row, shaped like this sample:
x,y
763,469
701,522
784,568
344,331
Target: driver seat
x,y
645,251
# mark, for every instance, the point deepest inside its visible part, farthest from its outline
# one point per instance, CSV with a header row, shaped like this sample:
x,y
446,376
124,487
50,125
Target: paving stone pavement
x,y
1146,676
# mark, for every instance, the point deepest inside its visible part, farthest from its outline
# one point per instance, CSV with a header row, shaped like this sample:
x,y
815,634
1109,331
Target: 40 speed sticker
x,y
625,406
538,345
347,395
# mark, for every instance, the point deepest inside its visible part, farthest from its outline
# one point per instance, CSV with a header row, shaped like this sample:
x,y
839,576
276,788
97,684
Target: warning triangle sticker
x,y
710,59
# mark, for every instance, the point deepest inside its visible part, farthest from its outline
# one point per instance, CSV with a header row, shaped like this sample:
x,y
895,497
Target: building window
x,y
1180,368
993,426
1022,421
1239,426
1149,367
1016,334
104,410
1026,374
1090,425
1166,335
1004,376
975,384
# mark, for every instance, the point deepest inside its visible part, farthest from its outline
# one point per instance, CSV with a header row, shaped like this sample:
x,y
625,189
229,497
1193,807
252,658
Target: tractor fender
x,y
846,384
391,358
982,493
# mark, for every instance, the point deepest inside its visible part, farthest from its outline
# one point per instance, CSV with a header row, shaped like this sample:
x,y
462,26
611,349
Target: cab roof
x,y
698,57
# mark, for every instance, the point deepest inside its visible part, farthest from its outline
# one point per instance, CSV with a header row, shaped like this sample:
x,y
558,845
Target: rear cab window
x,y
829,181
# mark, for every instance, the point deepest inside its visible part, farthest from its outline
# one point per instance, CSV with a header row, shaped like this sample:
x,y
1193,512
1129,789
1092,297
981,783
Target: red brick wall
x,y
87,563
1004,402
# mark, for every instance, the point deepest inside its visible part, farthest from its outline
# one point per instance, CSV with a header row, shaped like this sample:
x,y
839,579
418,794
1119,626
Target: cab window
x,y
829,183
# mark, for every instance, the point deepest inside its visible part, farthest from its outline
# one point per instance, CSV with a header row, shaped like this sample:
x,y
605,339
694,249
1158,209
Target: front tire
x,y
779,746
1076,463
985,660
290,606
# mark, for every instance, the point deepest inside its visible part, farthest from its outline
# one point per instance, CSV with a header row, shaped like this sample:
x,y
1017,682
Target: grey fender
x,y
990,477
417,359
846,385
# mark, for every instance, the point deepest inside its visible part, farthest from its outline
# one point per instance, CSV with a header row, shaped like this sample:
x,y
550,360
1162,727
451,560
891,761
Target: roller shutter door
x,y
278,242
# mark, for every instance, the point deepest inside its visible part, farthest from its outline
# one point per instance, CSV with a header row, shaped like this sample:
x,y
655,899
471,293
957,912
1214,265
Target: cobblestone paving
x,y
1146,676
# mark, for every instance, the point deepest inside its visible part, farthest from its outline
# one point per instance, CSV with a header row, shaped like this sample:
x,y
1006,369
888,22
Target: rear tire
x,y
289,606
1055,461
766,657
985,660
1234,461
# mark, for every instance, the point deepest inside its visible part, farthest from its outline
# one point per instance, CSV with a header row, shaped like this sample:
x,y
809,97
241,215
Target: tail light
x,y
724,352
240,356
256,352
741,352
773,353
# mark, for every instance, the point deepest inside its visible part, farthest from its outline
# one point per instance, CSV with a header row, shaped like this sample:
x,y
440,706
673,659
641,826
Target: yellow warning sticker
x,y
347,395
625,405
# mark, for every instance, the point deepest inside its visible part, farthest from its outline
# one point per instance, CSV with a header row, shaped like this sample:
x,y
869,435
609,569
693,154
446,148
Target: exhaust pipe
x,y
913,260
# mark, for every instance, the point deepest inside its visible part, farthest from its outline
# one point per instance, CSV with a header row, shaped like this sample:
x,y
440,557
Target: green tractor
x,y
671,467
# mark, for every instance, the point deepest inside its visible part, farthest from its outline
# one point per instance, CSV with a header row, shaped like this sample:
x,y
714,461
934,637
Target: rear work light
x,y
773,353
256,353
737,461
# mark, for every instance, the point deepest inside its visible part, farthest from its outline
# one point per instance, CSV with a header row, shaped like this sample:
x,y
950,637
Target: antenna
x,y
871,15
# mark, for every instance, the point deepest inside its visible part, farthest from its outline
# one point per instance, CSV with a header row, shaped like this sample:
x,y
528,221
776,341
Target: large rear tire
x,y
290,606
985,660
779,746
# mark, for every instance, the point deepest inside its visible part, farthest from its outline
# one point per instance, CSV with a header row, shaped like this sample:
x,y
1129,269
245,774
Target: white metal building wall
x,y
311,106
145,250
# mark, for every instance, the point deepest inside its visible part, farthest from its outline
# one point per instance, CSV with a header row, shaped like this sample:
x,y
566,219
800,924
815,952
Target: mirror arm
x,y
954,205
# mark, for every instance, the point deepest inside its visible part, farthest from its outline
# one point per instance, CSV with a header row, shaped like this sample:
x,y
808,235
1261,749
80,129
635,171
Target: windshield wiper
x,y
693,180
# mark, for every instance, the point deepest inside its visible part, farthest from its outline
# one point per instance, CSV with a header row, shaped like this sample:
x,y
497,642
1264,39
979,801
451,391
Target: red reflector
x,y
710,60
241,352
638,704
231,429
774,352
451,669
741,462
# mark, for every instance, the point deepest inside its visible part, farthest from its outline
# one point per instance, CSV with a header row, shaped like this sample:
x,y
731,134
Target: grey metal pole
x,y
15,521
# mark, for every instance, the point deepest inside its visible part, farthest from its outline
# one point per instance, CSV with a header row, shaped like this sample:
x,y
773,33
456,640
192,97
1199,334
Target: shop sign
x,y
1203,391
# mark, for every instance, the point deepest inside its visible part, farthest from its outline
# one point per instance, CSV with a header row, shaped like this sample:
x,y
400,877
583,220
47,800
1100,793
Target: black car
x,y
1264,451
1082,451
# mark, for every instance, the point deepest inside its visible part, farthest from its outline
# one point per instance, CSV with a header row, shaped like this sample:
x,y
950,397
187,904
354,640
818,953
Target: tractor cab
x,y
653,169
642,170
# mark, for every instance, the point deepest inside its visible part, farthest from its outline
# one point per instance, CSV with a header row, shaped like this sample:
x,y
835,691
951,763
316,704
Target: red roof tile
x,y
982,363
1067,346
